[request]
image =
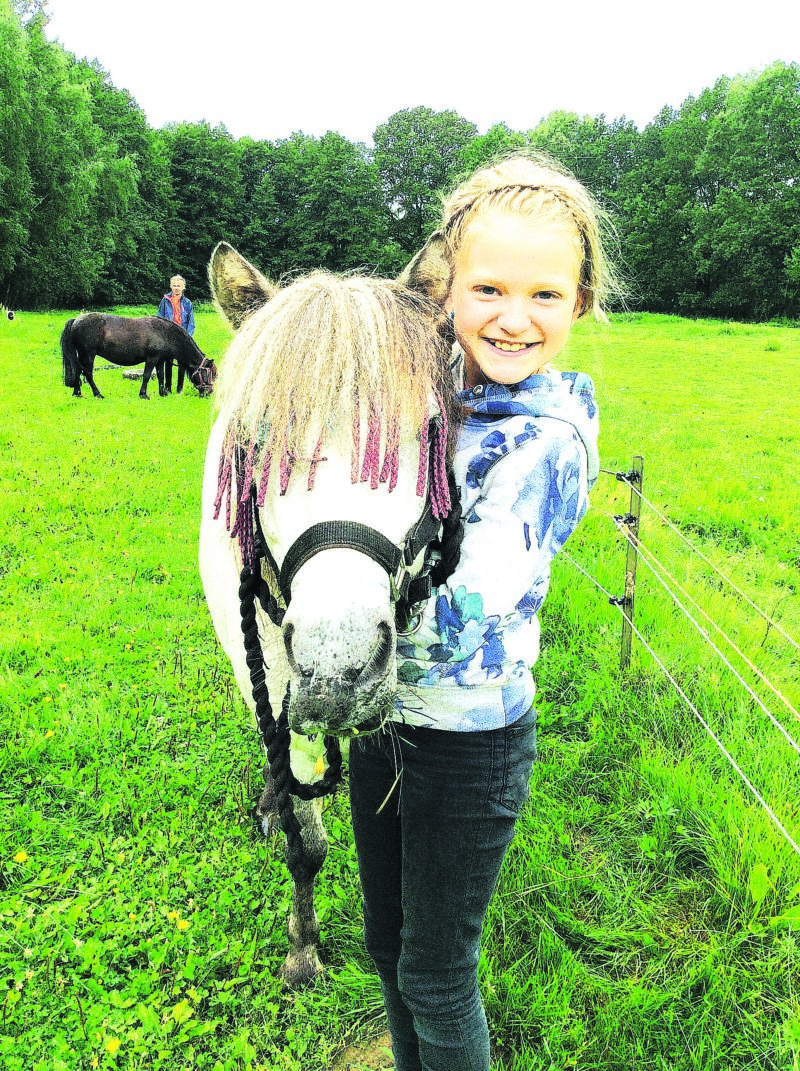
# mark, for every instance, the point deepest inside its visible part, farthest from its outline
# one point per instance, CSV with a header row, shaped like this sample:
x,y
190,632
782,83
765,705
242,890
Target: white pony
x,y
324,486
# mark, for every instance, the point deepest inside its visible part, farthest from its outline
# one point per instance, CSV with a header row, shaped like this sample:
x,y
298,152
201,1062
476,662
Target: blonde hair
x,y
533,184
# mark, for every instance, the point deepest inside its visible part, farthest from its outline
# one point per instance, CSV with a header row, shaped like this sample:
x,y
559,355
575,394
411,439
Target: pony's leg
x,y
88,371
302,964
167,375
148,371
162,388
181,377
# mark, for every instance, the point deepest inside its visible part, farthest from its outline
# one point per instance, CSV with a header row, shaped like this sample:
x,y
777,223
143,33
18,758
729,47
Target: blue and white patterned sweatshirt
x,y
526,459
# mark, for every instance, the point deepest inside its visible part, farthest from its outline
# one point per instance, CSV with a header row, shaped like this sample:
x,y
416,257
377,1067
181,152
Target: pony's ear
x,y
238,288
429,272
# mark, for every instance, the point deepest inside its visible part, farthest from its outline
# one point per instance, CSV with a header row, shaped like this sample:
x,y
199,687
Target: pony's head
x,y
332,403
204,376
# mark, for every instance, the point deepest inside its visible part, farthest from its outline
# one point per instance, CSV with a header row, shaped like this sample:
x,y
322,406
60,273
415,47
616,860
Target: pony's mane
x,y
323,348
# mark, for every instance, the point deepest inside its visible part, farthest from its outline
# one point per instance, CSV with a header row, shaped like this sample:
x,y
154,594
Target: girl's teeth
x,y
511,346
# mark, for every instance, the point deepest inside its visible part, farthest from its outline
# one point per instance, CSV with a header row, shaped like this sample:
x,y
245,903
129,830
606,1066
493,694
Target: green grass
x,y
648,915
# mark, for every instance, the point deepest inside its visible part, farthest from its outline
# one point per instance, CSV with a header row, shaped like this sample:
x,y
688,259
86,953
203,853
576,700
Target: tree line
x,y
97,208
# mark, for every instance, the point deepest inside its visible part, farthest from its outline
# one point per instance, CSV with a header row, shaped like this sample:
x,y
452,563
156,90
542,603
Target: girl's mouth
x,y
510,347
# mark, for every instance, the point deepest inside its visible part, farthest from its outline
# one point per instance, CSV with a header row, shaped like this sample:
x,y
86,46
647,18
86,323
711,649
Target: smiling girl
x,y
518,258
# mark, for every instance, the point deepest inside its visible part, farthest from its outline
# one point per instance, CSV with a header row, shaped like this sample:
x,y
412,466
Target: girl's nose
x,y
514,318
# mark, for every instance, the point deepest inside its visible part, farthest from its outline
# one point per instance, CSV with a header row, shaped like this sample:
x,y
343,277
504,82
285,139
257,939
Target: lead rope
x,y
275,734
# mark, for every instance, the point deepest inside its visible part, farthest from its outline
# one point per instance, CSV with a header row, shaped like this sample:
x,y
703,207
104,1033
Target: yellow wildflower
x,y
112,1045
172,915
183,924
21,857
49,734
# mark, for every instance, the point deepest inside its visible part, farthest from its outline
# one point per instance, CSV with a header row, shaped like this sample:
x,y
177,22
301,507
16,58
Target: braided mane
x,y
326,351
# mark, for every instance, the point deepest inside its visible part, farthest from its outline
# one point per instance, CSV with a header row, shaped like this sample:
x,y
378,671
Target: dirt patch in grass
x,y
374,1055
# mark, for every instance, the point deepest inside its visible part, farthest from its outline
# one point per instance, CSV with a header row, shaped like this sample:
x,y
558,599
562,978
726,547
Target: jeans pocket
x,y
513,756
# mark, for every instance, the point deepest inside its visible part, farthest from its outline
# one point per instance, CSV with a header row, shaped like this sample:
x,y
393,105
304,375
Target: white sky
x,y
266,68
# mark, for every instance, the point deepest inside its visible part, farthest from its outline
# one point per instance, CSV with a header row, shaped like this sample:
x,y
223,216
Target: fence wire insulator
x,y
629,477
625,520
617,600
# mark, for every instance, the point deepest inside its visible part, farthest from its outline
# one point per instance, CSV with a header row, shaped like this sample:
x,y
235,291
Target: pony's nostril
x,y
381,654
288,634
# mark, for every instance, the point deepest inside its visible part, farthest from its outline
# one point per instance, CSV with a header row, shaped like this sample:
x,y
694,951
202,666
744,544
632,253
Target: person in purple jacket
x,y
434,800
175,306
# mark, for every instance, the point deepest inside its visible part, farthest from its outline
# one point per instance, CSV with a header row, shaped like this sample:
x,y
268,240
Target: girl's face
x,y
514,295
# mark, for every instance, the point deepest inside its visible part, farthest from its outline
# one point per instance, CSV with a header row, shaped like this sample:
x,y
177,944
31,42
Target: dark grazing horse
x,y
128,341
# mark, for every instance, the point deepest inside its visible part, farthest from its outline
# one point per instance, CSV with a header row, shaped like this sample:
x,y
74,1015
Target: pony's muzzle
x,y
340,682
313,662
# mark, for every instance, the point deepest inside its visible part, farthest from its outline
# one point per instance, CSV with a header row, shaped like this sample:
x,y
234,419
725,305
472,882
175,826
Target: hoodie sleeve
x,y
522,510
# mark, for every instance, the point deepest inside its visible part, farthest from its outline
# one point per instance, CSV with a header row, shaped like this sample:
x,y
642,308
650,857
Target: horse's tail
x,y
69,356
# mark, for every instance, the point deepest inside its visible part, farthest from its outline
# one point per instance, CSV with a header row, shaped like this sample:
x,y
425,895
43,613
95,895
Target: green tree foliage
x,y
79,186
16,193
417,153
711,207
208,196
137,257
315,202
498,140
97,208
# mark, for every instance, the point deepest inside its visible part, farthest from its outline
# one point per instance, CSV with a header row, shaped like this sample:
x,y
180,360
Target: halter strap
x,y
354,536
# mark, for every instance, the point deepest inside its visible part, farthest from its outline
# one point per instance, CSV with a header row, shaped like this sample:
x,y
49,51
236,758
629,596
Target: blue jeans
x,y
429,861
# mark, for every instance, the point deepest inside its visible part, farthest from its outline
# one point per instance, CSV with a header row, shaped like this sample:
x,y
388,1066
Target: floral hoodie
x,y
526,459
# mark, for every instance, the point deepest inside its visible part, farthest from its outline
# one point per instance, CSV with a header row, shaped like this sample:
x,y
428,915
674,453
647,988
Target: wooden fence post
x,y
634,478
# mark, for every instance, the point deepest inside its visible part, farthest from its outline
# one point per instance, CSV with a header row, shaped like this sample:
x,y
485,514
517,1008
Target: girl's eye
x,y
486,290
547,295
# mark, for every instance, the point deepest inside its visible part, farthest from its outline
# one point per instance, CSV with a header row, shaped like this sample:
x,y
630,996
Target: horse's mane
x,y
325,347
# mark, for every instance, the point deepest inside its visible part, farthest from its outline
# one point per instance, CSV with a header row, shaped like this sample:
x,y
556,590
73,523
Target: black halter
x,y
206,373
408,590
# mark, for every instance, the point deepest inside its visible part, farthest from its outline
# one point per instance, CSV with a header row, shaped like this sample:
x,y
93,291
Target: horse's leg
x,y
302,964
160,373
88,371
181,376
148,371
167,376
81,371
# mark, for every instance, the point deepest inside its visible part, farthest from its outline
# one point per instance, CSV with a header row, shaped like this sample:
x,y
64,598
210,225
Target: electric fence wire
x,y
746,780
649,559
623,478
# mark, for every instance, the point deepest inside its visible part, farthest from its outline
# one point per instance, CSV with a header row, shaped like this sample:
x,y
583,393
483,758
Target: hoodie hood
x,y
567,396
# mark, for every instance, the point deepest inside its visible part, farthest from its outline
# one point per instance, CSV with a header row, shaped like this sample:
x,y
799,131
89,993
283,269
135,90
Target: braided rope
x,y
452,536
275,736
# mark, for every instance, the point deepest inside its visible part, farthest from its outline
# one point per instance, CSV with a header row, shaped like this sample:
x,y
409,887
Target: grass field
x,y
649,913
